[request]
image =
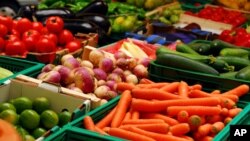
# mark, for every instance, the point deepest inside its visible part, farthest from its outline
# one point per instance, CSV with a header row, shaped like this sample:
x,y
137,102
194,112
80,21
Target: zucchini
x,y
238,52
181,62
201,48
230,75
221,65
237,62
184,48
243,73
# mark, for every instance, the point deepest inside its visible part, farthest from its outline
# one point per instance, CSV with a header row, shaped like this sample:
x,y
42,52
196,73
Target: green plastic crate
x,y
20,66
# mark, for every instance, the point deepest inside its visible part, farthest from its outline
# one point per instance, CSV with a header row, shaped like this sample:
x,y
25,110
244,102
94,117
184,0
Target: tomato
x,y
54,24
15,48
30,43
15,32
73,45
51,37
2,44
31,33
45,45
3,30
23,25
65,36
7,21
38,26
44,30
14,24
11,38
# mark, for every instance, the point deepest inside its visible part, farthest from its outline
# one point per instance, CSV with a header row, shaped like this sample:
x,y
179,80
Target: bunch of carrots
x,y
165,111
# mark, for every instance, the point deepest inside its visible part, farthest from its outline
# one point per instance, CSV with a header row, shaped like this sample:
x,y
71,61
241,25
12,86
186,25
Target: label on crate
x,y
239,132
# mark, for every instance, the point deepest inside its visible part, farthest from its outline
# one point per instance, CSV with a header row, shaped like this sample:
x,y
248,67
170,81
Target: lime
x,y
49,119
127,25
40,104
29,138
29,119
116,28
166,13
22,103
9,116
119,20
174,18
6,105
64,117
38,132
22,132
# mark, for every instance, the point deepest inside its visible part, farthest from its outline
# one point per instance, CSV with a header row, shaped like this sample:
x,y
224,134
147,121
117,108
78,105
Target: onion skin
x,y
131,78
48,68
110,95
119,54
111,84
100,74
51,76
106,64
101,91
71,63
101,82
115,77
127,72
95,56
122,63
132,62
66,78
86,63
84,80
140,71
66,57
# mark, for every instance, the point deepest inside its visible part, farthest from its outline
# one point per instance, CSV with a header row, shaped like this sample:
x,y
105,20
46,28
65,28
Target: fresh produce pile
x,y
168,111
32,118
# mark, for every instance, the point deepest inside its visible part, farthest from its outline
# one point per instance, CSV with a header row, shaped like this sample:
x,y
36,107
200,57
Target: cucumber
x,y
238,52
181,62
237,62
230,75
201,48
221,65
200,58
243,73
184,48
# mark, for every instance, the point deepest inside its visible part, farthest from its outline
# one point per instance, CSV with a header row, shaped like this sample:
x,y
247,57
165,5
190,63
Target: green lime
x,y
38,132
174,18
40,104
29,138
6,105
9,116
119,20
64,117
22,132
116,28
29,119
49,119
22,103
127,25
166,13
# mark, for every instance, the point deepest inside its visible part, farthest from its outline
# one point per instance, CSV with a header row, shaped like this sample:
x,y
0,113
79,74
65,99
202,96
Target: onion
x,y
91,72
111,95
48,67
131,78
132,62
111,84
101,91
66,78
101,82
115,77
119,71
140,71
95,56
127,72
84,80
119,54
145,61
100,74
122,63
71,63
51,76
86,63
66,57
106,64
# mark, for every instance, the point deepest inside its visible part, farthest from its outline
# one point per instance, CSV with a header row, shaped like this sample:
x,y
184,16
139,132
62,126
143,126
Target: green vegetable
x,y
230,75
237,62
221,65
244,73
201,48
58,4
238,52
185,49
42,6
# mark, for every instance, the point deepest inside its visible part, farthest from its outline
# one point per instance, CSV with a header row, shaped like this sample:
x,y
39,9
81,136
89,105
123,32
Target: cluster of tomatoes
x,y
17,37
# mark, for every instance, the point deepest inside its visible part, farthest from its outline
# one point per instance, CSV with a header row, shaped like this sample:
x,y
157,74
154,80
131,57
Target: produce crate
x,y
19,66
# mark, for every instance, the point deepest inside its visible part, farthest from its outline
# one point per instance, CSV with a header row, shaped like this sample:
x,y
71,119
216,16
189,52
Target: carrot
x,y
194,121
121,108
233,112
204,129
198,94
183,89
215,92
153,85
234,98
188,138
142,121
128,135
106,129
214,118
224,112
135,115
207,138
98,130
239,91
158,127
182,116
217,127
227,120
227,103
153,93
194,110
195,87
89,123
122,86
166,119
104,122
157,136
145,81
180,129
127,116
171,88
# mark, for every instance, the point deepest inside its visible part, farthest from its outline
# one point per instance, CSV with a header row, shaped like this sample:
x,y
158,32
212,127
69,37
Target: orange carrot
x,y
153,85
227,103
224,112
198,94
204,129
195,87
215,92
158,127
128,135
122,86
171,88
145,81
182,116
194,122
127,116
194,110
239,91
98,130
183,89
104,122
233,112
143,121
188,138
135,115
180,129
166,119
214,118
227,120
106,129
89,123
207,138
157,136
121,108
234,98
152,93
217,127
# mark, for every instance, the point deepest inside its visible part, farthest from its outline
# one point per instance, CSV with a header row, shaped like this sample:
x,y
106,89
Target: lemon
x,y
22,103
29,119
64,117
49,119
29,138
9,116
38,132
40,104
6,105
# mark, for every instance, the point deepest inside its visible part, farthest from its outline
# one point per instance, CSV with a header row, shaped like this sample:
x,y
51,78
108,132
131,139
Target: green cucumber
x,y
237,62
181,62
243,73
201,48
200,58
238,52
221,65
230,75
184,48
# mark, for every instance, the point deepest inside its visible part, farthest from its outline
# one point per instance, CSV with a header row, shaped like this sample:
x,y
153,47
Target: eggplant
x,y
100,20
27,11
97,6
44,13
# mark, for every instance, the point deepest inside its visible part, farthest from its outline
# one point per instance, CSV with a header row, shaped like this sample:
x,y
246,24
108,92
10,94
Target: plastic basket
x,y
19,66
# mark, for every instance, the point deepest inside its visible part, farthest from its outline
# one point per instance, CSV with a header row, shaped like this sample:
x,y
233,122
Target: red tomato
x,y
15,32
44,30
3,30
45,45
2,44
7,21
14,24
15,48
31,33
51,37
65,36
23,25
30,43
73,45
11,38
54,24
38,26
